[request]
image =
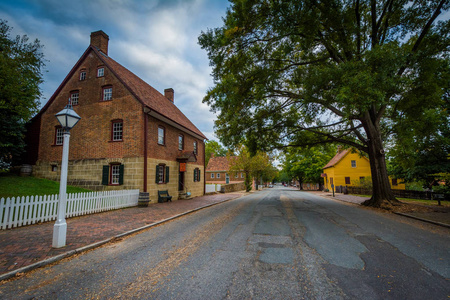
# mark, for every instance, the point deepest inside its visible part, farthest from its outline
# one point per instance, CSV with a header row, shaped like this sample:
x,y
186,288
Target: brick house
x,y
130,136
218,171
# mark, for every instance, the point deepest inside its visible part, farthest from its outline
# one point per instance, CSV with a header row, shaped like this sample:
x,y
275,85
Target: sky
x,y
155,39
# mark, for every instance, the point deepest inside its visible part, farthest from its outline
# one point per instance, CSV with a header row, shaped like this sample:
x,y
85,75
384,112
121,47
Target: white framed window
x,y
115,174
117,130
195,147
107,93
74,97
100,72
161,135
83,75
218,175
212,175
59,136
353,162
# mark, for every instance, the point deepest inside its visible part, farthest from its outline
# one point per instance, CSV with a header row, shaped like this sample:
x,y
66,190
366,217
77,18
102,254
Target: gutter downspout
x,y
145,149
204,168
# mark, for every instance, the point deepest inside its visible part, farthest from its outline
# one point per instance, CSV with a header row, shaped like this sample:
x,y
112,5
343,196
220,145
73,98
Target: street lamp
x,y
68,118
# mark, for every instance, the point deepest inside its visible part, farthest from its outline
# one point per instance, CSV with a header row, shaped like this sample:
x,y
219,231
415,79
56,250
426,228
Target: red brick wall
x,y
91,137
170,151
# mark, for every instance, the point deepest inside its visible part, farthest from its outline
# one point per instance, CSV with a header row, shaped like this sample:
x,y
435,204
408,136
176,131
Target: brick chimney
x,y
169,93
99,39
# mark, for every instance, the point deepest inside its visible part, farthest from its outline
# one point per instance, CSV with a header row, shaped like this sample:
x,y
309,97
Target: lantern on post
x,y
68,118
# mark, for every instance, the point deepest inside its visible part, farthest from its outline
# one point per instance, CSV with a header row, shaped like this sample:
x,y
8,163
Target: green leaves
x,y
21,64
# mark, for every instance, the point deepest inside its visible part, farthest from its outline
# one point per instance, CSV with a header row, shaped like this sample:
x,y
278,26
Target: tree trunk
x,y
381,188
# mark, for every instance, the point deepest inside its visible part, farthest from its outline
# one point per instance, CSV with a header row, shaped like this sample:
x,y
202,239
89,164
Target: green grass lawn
x,y
13,186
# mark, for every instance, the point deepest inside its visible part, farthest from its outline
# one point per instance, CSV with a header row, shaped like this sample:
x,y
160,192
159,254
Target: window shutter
x,y
157,174
105,175
195,175
198,175
121,171
167,174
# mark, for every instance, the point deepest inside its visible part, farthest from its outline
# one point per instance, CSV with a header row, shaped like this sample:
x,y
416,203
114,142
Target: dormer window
x,y
100,72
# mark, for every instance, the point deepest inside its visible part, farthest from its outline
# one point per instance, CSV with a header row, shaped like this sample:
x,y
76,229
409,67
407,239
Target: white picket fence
x,y
211,188
21,211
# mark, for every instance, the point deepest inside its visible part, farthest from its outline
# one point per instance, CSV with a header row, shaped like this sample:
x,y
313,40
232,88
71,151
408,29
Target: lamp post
x,y
68,118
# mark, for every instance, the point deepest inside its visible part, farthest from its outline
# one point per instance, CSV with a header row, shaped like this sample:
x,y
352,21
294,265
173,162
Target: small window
x,y
162,174
212,175
394,181
347,180
54,168
83,75
113,174
117,130
161,135
353,163
107,93
59,135
195,147
101,72
242,175
218,175
196,175
180,142
74,97
236,175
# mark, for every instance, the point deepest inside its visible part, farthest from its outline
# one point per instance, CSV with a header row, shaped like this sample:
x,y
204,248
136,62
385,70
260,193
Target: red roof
x,y
337,158
141,90
147,95
219,163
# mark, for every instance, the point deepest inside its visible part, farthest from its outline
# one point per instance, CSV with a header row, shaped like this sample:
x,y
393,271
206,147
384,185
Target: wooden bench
x,y
163,196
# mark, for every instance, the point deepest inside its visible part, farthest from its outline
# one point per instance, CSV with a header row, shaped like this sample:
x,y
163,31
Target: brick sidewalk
x,y
23,246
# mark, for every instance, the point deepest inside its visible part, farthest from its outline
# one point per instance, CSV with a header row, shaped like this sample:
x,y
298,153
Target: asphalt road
x,y
275,244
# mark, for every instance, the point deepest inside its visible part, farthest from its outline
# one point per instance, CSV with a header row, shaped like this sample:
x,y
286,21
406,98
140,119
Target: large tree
x,y
296,73
21,64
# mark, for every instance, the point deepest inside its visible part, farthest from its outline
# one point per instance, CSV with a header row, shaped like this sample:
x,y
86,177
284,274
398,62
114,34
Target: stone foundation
x,y
87,173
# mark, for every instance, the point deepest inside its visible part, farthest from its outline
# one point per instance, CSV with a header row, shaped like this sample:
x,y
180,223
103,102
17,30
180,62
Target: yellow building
x,y
348,168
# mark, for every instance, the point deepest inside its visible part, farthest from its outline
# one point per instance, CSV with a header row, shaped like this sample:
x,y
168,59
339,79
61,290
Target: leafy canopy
x,y
285,69
21,64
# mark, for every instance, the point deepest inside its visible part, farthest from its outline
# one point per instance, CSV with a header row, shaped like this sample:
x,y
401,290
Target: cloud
x,y
155,39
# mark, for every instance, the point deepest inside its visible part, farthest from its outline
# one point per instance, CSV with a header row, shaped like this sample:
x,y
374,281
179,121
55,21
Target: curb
x,y
100,243
423,220
400,214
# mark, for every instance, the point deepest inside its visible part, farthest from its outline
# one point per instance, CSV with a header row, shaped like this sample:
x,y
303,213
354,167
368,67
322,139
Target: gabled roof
x,y
337,158
219,163
142,91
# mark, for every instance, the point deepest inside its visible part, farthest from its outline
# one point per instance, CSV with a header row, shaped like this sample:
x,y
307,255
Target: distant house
x,y
218,171
130,136
348,168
